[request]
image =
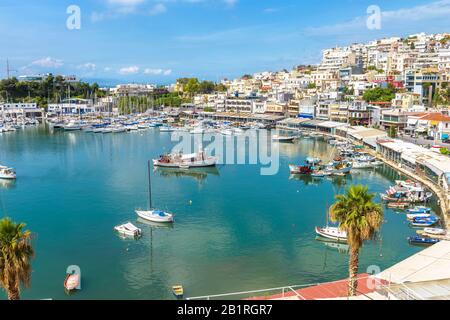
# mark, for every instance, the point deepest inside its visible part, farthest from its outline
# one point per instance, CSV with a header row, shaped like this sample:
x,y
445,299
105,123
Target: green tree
x,y
380,94
392,132
16,252
361,218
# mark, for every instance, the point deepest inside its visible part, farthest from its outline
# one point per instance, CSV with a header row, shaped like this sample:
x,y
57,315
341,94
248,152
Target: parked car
x,y
429,138
446,141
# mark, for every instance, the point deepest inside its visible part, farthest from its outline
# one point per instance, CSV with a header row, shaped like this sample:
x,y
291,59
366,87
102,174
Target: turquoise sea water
x,y
235,230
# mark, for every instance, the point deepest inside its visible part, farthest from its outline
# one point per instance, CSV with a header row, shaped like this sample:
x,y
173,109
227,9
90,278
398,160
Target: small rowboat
x,y
428,222
420,240
419,209
178,291
412,216
282,138
435,231
398,205
72,282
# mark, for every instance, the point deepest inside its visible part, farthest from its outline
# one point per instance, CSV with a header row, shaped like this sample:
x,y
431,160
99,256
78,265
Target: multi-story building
x,y
20,109
444,60
358,113
336,58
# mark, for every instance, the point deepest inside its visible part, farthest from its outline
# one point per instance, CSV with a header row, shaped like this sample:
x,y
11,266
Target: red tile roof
x,y
435,117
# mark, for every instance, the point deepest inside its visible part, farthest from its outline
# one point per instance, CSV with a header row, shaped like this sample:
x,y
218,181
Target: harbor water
x,y
234,230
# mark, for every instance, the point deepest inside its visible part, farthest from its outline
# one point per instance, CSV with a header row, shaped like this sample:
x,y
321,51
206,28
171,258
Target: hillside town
x,y
400,85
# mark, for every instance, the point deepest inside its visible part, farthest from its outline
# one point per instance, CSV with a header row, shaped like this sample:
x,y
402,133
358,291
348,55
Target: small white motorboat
x,y
7,173
128,229
332,233
435,231
72,282
280,138
166,129
155,216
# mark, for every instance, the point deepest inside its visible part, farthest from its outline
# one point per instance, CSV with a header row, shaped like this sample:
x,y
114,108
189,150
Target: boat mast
x,y
149,188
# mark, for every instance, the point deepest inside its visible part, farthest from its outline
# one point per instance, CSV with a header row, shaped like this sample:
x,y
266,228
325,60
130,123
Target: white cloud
x,y
126,2
129,70
158,72
157,9
48,62
230,3
87,66
406,17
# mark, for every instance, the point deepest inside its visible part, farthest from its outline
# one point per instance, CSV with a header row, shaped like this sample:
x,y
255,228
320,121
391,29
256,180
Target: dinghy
x,y
435,231
72,282
178,291
128,229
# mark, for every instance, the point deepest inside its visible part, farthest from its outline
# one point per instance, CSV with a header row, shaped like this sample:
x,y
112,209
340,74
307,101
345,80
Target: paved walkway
x,y
442,196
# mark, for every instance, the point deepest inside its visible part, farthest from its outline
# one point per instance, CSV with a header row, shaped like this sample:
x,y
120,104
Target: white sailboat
x,y
332,233
151,214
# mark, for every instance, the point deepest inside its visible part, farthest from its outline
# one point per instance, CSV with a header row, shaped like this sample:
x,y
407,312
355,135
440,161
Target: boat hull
x,y
187,165
335,236
151,216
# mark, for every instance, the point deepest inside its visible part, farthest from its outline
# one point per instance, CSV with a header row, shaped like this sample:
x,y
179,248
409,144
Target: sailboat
x,y
331,233
151,214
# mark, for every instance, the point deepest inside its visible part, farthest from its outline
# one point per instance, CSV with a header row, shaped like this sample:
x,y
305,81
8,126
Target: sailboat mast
x,y
149,188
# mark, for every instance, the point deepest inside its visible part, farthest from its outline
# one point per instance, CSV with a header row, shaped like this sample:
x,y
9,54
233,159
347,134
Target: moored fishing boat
x,y
178,291
166,129
421,240
294,169
419,209
398,205
179,160
7,173
412,216
281,138
73,126
425,222
435,231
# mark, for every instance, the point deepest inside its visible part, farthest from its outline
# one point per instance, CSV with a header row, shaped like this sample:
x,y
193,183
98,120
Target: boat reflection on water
x,y
307,179
199,174
7,184
339,246
156,225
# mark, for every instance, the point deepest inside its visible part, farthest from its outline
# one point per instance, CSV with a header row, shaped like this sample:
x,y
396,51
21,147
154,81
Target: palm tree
x,y
361,218
16,252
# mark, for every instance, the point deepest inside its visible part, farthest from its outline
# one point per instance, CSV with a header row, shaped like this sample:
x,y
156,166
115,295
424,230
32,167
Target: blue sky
x,y
161,40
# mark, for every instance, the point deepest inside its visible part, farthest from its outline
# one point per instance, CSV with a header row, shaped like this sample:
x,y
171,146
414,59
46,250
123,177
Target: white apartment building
x,y
444,60
336,58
